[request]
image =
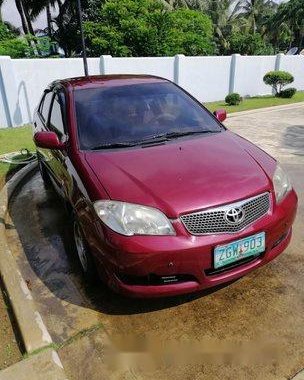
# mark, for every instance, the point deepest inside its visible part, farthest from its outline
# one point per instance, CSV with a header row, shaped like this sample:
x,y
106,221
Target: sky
x,y
10,14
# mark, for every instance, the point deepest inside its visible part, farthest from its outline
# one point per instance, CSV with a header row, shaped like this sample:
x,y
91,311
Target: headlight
x,y
281,183
131,219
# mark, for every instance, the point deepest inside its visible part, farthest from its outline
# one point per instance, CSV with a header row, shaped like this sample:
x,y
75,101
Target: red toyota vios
x,y
164,199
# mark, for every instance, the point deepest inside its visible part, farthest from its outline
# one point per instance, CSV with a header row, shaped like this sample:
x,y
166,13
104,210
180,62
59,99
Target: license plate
x,y
239,249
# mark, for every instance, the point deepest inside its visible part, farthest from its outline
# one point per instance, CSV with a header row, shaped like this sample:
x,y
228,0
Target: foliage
x,y
249,44
67,33
15,48
191,33
41,45
5,32
167,27
256,12
233,99
287,93
277,80
220,14
147,28
288,22
25,47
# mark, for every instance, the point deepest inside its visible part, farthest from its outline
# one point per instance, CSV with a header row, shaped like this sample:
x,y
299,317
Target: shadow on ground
x,y
293,139
42,226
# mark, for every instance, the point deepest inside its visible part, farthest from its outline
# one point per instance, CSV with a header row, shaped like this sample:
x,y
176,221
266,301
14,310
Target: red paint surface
x,y
185,175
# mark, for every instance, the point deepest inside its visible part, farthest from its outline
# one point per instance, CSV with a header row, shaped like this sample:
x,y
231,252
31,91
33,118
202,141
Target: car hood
x,y
181,176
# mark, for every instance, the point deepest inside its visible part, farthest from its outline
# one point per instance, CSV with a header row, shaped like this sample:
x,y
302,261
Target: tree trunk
x,y
30,28
49,21
21,13
28,20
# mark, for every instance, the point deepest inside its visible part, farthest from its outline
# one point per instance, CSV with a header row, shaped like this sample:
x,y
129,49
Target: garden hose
x,y
23,157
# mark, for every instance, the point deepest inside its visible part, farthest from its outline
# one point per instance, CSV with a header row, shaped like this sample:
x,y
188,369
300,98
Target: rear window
x,y
122,114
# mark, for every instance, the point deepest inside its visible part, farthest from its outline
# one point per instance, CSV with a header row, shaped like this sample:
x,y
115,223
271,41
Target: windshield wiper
x,y
187,133
113,145
167,136
157,139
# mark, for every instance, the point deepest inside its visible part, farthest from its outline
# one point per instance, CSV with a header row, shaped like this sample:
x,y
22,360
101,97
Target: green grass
x,y
13,139
255,102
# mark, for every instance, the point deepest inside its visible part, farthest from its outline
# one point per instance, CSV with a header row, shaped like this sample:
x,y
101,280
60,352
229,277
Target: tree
x,y
191,4
278,80
19,6
147,28
287,25
67,34
191,33
5,32
11,44
220,14
249,44
256,12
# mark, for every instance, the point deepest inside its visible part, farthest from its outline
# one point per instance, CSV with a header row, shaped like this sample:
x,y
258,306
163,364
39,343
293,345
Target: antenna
x,y
84,53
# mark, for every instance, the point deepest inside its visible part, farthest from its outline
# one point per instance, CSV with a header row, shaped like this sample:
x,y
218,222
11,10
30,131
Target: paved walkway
x,y
279,132
265,307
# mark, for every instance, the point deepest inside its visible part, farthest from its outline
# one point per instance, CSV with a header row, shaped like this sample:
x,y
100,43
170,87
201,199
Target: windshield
x,y
130,114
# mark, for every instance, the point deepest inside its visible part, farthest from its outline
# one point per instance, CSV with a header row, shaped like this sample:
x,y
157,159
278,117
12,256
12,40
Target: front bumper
x,y
125,262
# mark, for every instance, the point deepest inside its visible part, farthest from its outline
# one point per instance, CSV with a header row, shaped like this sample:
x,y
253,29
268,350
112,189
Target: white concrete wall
x,y
160,66
206,78
22,81
32,76
294,64
250,71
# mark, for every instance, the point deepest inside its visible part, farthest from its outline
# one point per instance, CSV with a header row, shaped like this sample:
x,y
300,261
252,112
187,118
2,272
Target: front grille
x,y
214,221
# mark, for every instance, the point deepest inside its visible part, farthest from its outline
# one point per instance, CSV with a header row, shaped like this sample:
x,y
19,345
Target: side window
x,y
56,119
45,105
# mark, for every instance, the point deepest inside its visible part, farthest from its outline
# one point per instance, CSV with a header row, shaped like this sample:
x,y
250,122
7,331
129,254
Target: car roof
x,y
106,81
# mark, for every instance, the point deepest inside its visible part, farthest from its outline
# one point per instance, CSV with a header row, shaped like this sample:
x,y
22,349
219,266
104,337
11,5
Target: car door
x,y
40,124
57,123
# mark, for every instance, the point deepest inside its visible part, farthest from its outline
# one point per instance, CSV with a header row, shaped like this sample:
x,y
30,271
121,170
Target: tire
x,y
84,255
44,174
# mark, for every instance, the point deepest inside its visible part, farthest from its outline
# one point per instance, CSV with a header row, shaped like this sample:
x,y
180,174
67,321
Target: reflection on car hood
x,y
184,175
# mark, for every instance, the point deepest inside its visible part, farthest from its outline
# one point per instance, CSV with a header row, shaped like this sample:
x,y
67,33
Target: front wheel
x,y
83,253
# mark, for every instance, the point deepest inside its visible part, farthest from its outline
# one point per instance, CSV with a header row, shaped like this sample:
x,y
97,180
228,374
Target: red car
x,y
164,199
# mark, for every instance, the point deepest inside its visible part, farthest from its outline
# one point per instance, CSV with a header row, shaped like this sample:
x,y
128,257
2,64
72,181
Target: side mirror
x,y
221,114
48,140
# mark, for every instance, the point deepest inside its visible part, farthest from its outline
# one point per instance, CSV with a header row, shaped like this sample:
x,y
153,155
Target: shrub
x,y
15,48
277,80
288,93
233,99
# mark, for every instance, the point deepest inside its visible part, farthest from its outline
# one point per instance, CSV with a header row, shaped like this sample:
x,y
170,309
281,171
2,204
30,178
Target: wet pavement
x,y
265,307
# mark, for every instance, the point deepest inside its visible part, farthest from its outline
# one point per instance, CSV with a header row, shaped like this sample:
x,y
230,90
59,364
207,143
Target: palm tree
x,y
255,12
220,14
19,6
191,4
288,23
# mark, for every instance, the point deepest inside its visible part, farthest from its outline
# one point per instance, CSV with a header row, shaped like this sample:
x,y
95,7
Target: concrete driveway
x,y
263,311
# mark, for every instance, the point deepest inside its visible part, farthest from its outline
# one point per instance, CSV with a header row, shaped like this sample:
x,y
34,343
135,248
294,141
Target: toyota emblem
x,y
235,215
